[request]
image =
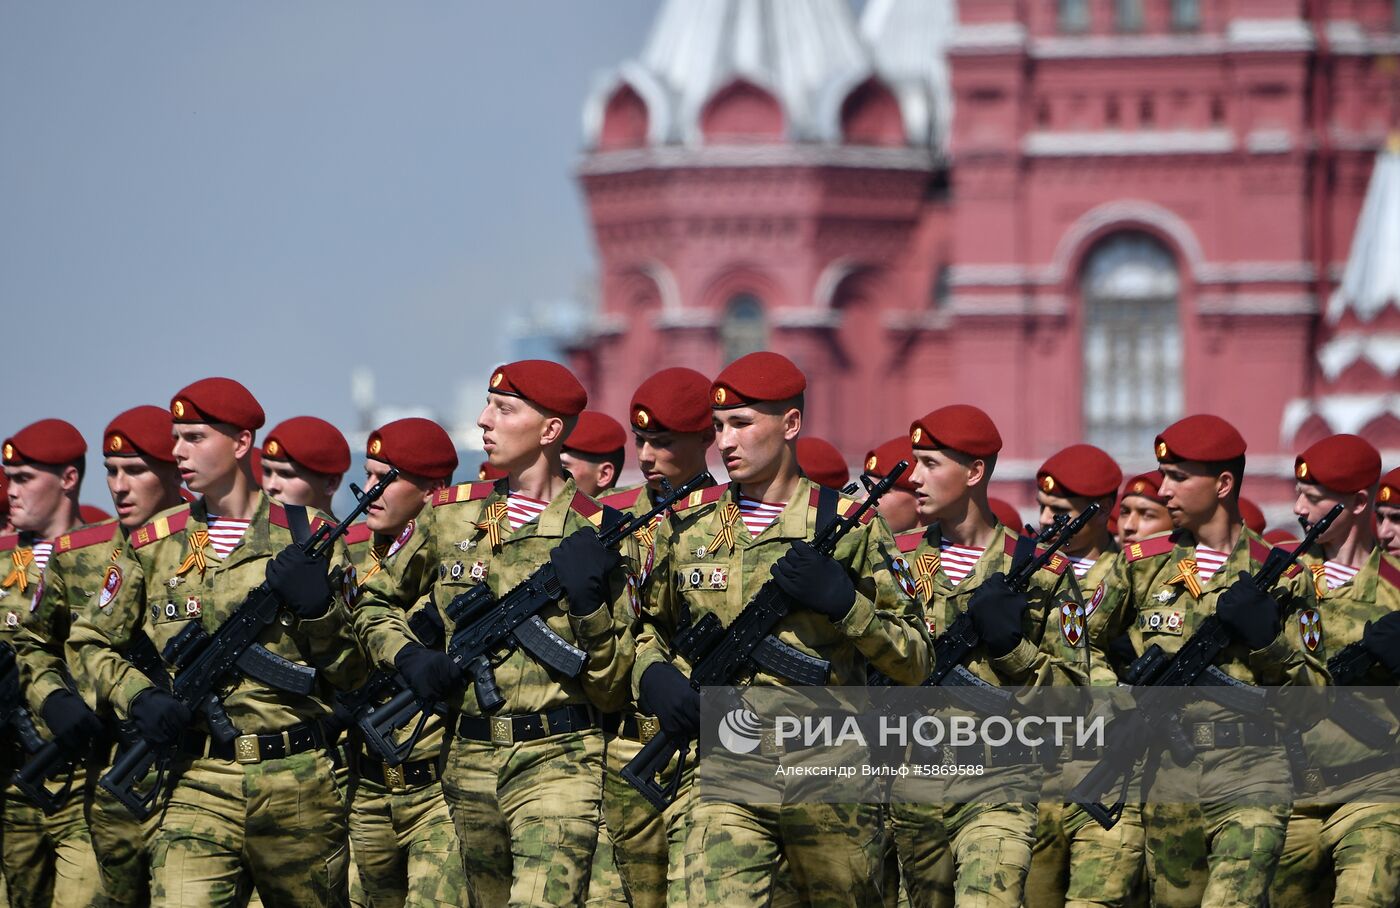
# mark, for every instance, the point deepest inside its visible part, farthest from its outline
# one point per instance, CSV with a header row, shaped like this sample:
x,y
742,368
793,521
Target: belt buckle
x,y
1312,781
502,731
768,744
1203,735
647,727
393,777
247,749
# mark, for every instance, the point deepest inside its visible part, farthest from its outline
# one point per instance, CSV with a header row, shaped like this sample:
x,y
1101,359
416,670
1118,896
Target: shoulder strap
x,y
827,500
298,522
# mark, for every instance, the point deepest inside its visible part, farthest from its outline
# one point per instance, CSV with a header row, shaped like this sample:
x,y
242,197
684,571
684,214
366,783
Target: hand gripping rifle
x,y
206,662
719,655
1131,733
487,627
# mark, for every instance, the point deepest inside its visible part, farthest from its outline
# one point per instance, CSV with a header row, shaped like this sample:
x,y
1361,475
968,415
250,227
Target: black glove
x,y
667,693
582,564
816,581
996,611
341,718
300,581
160,717
69,718
431,673
1249,614
1382,640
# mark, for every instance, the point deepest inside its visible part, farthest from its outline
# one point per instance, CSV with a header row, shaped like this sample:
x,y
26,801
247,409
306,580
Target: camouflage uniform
x,y
1223,849
979,853
405,845
1075,861
279,819
45,857
75,572
731,853
526,812
1345,853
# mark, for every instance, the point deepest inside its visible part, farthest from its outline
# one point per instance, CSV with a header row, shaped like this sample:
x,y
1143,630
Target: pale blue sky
x,y
280,191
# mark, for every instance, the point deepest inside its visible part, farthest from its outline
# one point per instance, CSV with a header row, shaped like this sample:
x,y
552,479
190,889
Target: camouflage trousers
x,y
1345,855
1076,863
406,847
280,822
122,845
964,854
48,860
637,830
527,815
604,883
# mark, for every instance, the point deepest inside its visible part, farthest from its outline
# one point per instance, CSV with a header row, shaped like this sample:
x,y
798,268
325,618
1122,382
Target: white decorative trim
x,y
1269,35
1125,211
988,276
1348,38
1122,142
1255,272
686,318
988,37
1269,141
1350,413
1256,304
1104,46
830,279
803,317
608,325
782,155
1381,350
666,286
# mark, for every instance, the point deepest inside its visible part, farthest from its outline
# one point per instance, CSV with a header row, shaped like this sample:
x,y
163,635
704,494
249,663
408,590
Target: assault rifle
x,y
14,715
487,629
1156,711
204,662
719,655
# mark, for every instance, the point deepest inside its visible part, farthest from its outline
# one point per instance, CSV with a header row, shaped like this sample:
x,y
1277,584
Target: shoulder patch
x,y
622,500
467,491
1259,551
909,540
702,496
81,539
277,516
1056,565
358,533
1389,571
160,528
1150,547
584,506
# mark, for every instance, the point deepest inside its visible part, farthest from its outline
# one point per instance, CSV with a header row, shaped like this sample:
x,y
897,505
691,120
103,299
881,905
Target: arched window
x,y
743,330
1132,344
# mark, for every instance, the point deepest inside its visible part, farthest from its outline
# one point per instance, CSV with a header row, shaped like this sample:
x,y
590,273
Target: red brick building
x,y
1088,217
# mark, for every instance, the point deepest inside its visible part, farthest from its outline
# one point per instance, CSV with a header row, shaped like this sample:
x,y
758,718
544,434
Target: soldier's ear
x,y
792,423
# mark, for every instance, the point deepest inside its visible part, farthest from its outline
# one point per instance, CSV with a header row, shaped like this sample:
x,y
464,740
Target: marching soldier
x,y
1142,511
977,852
1223,849
822,463
1076,862
45,857
524,783
266,804
594,452
711,556
404,842
304,460
672,432
1345,853
1388,513
143,480
897,506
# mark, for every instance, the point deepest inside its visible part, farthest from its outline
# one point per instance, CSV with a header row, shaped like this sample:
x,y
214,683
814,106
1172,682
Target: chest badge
x,y
719,578
193,608
1072,623
111,582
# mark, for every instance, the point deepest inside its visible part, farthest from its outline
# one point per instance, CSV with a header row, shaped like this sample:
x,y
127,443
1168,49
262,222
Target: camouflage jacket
x,y
1053,650
167,575
452,549
697,569
1083,590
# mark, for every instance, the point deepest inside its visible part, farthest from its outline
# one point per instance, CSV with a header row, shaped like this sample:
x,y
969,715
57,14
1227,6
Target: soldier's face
x,y
900,510
1313,503
36,494
590,477
290,483
1192,492
207,455
513,431
1052,506
942,479
752,440
402,499
673,456
1388,528
1140,517
140,488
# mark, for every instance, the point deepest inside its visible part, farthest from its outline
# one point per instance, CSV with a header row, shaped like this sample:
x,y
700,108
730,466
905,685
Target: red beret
x,y
1082,470
822,463
1342,463
414,445
1280,536
755,378
596,433
1203,438
311,442
224,400
958,427
879,461
487,473
1389,493
1145,485
541,382
4,495
52,442
255,464
675,400
91,513
1252,516
143,430
1007,514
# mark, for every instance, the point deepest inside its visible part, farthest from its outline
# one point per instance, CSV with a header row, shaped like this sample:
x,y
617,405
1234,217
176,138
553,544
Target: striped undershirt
x,y
1081,565
1339,574
958,560
42,551
1208,561
758,515
521,509
225,533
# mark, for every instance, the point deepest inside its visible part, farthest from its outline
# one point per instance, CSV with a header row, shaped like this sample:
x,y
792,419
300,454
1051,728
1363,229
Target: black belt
x,y
1008,754
530,727
1212,735
256,748
1350,772
415,774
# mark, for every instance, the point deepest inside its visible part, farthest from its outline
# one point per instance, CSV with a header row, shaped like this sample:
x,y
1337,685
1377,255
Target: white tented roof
x,y
907,39
1372,277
